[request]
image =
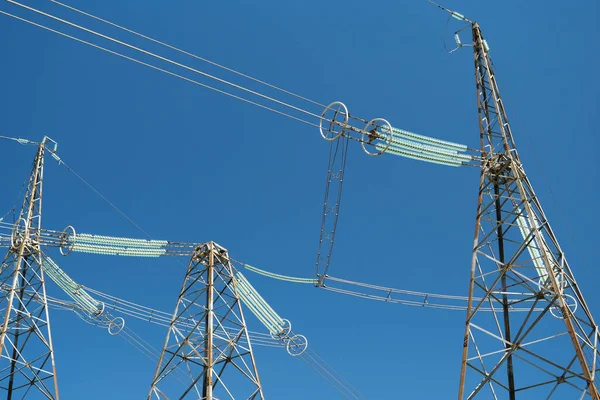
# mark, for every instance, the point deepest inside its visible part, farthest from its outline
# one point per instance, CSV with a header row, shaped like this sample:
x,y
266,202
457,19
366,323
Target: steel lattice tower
x,y
207,347
27,367
529,333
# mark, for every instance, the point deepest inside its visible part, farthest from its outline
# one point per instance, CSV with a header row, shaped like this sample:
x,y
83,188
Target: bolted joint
x,y
497,163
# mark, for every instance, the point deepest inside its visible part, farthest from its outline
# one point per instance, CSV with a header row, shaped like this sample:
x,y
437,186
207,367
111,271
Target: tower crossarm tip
x,y
453,14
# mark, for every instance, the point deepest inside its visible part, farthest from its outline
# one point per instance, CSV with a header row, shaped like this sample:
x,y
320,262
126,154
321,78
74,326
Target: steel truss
x,y
338,150
550,352
207,348
27,368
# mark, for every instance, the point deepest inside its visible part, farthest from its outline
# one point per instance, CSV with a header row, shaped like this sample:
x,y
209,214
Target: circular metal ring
x,y
14,235
374,132
570,302
333,121
65,246
287,326
100,310
546,282
285,331
116,326
296,345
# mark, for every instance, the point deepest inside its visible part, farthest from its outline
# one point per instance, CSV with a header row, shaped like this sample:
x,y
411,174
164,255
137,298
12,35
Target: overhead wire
x,y
18,140
159,69
274,275
332,377
165,59
324,376
111,204
145,313
258,338
188,53
150,352
318,117
333,370
400,291
366,290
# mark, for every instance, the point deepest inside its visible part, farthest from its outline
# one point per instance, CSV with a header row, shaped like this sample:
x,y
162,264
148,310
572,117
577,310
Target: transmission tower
x,y
549,349
207,347
27,368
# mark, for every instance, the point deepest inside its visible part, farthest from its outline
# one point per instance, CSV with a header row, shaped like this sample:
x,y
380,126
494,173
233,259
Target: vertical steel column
x,y
208,377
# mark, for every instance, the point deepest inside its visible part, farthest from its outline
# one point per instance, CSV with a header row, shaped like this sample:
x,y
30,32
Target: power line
x,y
188,53
165,59
340,377
159,69
331,377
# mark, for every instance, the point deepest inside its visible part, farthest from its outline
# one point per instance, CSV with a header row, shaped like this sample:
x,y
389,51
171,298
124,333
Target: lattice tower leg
x,y
529,332
207,353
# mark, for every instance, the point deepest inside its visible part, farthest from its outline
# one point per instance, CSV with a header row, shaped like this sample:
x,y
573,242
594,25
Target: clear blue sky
x,y
192,165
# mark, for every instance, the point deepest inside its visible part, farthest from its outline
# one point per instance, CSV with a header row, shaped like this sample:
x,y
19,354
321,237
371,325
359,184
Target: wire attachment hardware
x,y
18,233
285,330
570,303
337,115
116,326
376,135
296,345
67,241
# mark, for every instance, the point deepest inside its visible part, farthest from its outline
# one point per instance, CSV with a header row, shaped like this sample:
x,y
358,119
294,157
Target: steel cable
x,y
188,53
318,117
161,58
329,377
322,360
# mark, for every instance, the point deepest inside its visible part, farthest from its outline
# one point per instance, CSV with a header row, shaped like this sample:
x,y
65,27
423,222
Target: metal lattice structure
x,y
207,342
529,332
28,368
338,151
551,351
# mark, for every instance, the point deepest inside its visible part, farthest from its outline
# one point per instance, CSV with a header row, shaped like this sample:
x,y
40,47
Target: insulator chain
x,y
279,328
377,136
